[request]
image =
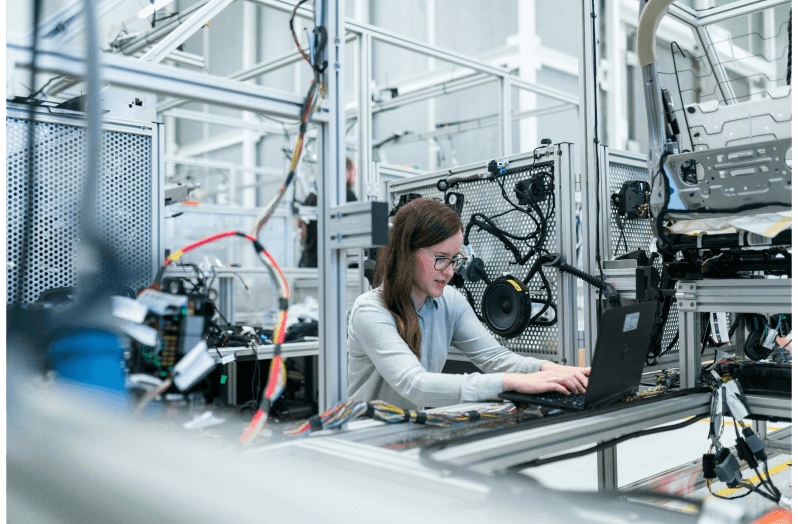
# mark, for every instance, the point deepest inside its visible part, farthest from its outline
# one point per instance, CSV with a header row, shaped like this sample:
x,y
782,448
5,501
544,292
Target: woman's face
x,y
428,280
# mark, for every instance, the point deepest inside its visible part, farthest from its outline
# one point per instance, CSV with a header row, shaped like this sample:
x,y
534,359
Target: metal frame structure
x,y
127,72
232,92
564,237
767,296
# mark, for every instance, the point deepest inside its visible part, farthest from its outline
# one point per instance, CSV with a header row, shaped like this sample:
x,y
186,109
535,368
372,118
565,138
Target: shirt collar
x,y
429,300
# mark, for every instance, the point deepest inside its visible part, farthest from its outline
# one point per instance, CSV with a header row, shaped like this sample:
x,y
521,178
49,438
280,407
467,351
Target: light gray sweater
x,y
382,367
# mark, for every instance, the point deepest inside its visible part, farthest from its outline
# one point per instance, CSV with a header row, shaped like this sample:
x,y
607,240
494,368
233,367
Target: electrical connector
x,y
745,453
755,444
708,464
727,469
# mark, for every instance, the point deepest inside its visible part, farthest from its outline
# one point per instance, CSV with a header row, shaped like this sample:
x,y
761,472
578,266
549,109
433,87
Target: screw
x,y
692,304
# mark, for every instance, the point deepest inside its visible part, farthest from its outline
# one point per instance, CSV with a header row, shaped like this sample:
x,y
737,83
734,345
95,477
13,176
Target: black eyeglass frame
x,y
458,260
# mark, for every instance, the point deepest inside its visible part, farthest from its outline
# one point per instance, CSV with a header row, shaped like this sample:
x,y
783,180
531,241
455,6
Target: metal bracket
x,y
685,296
358,225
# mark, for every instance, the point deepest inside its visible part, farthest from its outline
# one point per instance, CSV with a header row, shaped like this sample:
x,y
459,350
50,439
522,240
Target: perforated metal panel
x,y
632,234
484,196
124,207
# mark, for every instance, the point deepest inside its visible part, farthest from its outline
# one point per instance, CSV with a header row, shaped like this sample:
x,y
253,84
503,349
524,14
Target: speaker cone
x,y
506,307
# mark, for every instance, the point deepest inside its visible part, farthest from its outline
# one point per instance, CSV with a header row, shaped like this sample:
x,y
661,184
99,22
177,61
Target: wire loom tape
x,y
421,418
473,415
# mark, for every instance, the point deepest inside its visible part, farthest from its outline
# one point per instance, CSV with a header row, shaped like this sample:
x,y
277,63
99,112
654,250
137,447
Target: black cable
x,y
255,390
622,235
789,49
607,444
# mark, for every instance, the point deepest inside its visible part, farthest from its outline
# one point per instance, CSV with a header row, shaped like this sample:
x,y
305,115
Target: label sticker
x,y
516,286
228,359
630,322
224,379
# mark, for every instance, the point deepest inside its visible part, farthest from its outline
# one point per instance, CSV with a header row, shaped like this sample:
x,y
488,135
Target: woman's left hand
x,y
567,373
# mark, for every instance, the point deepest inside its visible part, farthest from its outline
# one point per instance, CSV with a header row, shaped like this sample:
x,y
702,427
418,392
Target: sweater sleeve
x,y
376,333
484,351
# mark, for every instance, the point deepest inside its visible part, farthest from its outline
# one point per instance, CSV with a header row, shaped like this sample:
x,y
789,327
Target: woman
x,y
400,332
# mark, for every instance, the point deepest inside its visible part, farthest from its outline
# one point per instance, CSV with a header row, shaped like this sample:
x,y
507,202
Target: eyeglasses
x,y
442,263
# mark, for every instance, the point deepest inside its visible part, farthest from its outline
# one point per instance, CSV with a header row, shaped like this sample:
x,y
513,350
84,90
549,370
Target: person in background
x,y
400,332
309,230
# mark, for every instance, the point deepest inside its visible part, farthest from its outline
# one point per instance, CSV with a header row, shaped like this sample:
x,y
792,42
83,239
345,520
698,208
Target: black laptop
x,y
621,346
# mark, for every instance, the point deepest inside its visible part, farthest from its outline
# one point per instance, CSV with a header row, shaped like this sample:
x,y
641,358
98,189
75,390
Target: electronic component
x,y
180,328
455,201
632,199
764,378
532,189
506,306
404,199
754,444
727,469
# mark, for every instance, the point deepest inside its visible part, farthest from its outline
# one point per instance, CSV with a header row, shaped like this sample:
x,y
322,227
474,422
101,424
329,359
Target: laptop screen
x,y
620,354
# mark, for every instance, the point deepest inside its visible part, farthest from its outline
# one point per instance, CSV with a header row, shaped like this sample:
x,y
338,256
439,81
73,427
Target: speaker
x,y
506,306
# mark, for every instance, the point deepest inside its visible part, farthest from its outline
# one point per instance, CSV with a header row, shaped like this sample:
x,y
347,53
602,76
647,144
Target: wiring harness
x,y
277,372
536,201
719,462
350,409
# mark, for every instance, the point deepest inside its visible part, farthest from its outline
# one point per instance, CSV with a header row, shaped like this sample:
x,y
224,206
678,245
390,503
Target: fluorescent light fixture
x,y
150,9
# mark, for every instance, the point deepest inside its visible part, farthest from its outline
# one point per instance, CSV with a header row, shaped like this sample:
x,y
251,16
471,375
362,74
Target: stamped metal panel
x,y
127,212
555,342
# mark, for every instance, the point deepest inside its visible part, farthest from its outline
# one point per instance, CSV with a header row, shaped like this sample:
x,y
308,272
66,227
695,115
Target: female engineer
x,y
400,332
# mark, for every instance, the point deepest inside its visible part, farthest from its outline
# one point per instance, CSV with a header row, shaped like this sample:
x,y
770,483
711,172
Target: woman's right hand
x,y
540,382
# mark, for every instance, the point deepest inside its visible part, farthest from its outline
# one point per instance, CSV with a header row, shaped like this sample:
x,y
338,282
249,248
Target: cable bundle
x,y
377,409
335,416
312,101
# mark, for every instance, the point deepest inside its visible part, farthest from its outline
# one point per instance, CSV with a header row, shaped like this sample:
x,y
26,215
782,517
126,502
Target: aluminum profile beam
x,y
488,121
509,449
259,69
367,181
589,160
381,35
358,225
184,31
127,72
505,115
767,406
332,192
68,22
210,118
147,39
771,295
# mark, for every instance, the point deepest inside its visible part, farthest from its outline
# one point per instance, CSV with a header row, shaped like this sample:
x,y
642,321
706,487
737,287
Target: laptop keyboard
x,y
576,400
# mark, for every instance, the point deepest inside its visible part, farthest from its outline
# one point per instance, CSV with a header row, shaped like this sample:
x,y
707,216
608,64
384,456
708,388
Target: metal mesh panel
x,y
484,196
638,235
124,207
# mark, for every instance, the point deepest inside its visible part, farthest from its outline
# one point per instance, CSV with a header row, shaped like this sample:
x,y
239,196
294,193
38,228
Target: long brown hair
x,y
420,223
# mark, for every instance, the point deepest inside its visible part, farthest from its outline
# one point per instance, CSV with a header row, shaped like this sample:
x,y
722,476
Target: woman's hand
x,y
551,377
578,374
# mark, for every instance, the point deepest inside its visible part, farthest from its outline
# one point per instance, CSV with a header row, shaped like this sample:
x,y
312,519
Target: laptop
x,y
622,343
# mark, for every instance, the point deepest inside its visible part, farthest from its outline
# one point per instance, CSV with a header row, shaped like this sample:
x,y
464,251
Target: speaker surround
x,y
506,307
